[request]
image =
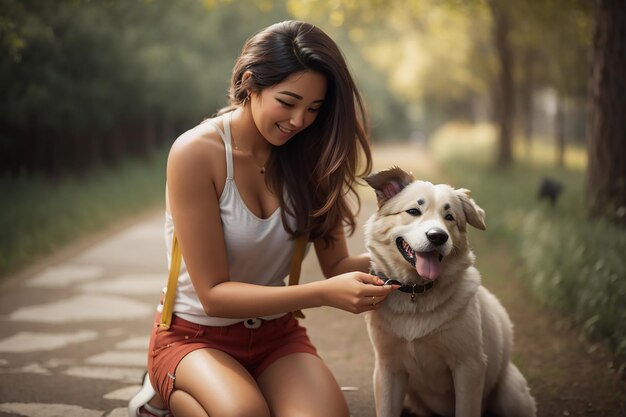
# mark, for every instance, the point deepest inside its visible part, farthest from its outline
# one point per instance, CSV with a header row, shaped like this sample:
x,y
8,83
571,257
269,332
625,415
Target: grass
x,y
569,263
40,215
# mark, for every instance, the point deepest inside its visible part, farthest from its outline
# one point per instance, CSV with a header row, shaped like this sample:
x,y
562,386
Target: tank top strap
x,y
228,145
225,135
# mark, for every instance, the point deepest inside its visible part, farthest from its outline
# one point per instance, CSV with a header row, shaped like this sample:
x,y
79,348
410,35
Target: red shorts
x,y
255,349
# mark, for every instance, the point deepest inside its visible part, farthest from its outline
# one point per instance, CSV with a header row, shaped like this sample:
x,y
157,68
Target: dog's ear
x,y
388,183
473,213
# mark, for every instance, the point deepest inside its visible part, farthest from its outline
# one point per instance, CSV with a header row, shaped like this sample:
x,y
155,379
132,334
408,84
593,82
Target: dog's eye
x,y
449,217
414,212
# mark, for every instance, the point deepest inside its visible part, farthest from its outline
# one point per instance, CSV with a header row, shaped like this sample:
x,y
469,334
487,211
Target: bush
x,y
578,267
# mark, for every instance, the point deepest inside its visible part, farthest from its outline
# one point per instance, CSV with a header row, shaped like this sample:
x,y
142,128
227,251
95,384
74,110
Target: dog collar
x,y
412,289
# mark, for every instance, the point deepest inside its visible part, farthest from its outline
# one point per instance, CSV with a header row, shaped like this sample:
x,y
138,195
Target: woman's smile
x,y
284,130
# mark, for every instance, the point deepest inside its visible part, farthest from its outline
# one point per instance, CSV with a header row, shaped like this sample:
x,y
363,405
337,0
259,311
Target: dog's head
x,y
424,224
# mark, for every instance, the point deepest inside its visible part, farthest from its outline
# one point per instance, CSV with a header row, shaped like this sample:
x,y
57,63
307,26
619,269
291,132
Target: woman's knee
x,y
289,382
220,385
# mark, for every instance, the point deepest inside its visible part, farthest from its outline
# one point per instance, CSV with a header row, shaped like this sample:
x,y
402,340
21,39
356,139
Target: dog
x,y
442,342
550,189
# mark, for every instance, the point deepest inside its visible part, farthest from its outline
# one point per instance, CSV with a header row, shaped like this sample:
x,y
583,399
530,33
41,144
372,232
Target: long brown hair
x,y
317,167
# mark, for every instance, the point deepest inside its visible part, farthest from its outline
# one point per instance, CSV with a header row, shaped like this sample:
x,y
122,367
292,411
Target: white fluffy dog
x,y
442,342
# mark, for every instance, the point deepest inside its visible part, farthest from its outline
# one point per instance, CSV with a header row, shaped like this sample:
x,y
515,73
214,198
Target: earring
x,y
245,100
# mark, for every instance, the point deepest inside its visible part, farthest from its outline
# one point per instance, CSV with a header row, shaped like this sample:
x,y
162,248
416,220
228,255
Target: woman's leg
x,y
185,405
301,385
214,383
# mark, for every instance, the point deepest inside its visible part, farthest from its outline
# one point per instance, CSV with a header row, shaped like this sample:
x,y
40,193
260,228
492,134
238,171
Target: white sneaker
x,y
138,405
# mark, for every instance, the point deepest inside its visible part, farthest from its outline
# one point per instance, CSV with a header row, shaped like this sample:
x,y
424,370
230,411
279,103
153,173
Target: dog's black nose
x,y
437,236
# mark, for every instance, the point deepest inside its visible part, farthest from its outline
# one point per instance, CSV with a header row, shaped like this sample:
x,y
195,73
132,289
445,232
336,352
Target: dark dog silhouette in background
x,y
550,189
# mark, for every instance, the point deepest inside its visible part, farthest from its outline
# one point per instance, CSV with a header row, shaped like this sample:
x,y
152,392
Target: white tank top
x,y
259,250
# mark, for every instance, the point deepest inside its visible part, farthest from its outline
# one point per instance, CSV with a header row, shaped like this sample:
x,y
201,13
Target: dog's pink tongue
x,y
427,264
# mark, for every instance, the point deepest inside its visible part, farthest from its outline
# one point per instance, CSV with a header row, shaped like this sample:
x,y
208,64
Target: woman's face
x,y
282,110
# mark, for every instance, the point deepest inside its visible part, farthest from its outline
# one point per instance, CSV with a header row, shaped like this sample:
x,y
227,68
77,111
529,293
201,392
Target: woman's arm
x,y
195,179
335,259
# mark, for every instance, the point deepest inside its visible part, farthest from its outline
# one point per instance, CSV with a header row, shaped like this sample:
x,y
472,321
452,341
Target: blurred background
x,y
523,101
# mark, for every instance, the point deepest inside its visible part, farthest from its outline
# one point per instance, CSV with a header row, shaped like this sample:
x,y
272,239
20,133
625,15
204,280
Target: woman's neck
x,y
246,136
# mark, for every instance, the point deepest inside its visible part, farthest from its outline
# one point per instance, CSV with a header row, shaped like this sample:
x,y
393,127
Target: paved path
x,y
73,336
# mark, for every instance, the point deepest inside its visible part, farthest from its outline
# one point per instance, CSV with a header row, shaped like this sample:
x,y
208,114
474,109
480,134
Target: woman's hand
x,y
355,292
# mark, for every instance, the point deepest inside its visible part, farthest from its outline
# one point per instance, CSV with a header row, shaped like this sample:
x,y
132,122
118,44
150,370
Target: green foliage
x,y
66,73
112,78
571,264
578,267
39,215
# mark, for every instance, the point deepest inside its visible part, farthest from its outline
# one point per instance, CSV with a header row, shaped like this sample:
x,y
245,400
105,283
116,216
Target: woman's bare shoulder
x,y
200,141
199,150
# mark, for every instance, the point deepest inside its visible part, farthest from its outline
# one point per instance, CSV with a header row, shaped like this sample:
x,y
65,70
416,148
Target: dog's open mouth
x,y
427,264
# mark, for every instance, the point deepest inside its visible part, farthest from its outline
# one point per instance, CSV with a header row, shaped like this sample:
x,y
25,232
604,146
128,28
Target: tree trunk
x,y
506,90
559,131
526,100
606,139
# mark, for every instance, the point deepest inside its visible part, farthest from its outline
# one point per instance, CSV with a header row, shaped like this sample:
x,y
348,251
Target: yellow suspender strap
x,y
172,280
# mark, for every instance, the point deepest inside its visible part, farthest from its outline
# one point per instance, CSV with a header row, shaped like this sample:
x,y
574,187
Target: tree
x,y
505,90
606,142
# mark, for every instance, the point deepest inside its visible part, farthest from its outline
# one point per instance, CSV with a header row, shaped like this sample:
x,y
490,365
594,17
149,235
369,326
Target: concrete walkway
x,y
74,336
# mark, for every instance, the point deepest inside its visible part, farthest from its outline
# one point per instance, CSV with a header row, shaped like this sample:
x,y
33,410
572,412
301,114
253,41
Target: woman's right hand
x,y
355,292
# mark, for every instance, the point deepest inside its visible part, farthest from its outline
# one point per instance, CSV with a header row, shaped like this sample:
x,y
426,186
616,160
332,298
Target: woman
x,y
277,164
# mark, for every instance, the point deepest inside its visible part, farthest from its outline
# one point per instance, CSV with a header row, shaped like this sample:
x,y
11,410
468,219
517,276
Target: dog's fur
x,y
447,352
